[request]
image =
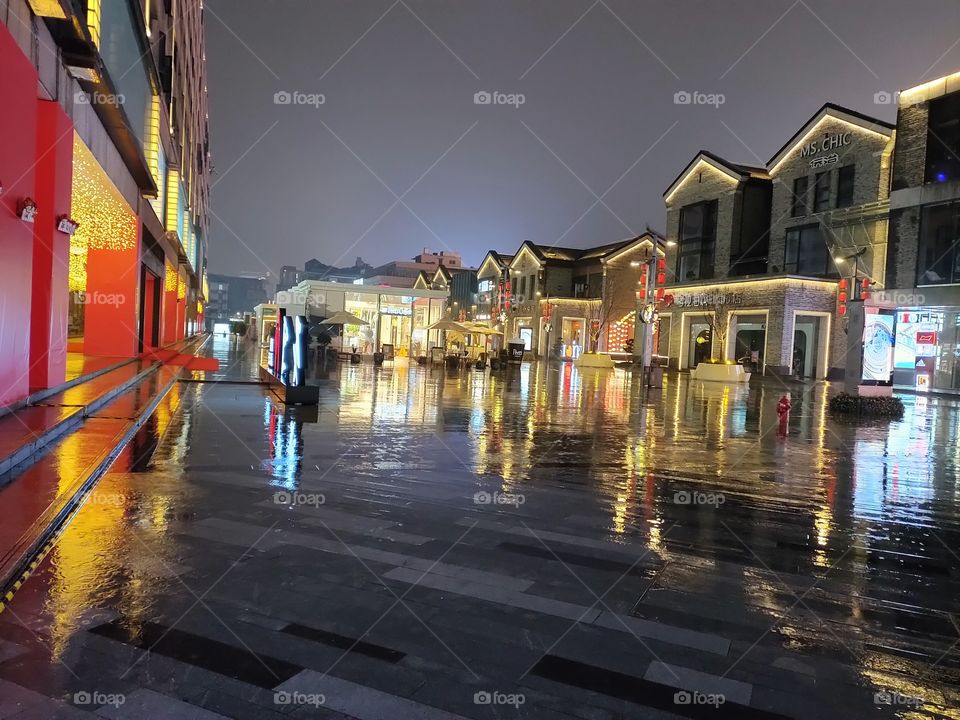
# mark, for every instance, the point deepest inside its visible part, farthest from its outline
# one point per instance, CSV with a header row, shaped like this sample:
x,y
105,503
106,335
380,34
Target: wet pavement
x,y
545,544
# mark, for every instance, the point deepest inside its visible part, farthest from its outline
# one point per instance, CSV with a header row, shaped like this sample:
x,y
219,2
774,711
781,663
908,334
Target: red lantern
x,y
662,265
843,283
842,310
661,278
842,297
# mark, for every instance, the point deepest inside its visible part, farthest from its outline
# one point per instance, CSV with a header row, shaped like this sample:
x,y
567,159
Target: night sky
x,y
399,157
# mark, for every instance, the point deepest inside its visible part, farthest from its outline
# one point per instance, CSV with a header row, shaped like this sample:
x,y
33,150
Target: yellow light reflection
x,y
106,220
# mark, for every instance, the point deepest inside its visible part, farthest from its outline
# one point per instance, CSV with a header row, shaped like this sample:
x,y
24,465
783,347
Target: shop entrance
x,y
748,340
572,337
808,343
149,310
395,330
699,341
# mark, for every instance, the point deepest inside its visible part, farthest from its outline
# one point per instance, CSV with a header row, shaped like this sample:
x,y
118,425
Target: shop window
x,y
800,206
943,140
821,192
938,261
698,236
807,253
845,180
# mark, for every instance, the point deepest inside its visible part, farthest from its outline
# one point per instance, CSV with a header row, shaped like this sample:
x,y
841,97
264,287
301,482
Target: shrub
x,y
883,406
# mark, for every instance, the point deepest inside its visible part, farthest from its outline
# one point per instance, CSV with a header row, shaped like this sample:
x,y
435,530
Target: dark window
x,y
821,192
845,186
943,140
523,287
938,261
580,286
807,253
513,286
595,285
800,205
698,240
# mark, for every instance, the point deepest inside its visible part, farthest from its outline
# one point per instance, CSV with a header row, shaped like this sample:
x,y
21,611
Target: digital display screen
x,y
878,344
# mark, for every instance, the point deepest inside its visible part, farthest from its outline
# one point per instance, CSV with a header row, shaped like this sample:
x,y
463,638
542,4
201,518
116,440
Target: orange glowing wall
x,y
51,248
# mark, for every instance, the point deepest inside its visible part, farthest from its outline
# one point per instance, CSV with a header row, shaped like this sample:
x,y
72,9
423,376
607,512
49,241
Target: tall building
x,y
104,155
404,273
232,296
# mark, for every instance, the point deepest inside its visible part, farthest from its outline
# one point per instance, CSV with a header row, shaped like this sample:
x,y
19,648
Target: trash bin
x,y
516,349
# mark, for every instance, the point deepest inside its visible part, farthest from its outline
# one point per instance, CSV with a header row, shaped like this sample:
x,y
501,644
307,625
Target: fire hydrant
x,y
783,411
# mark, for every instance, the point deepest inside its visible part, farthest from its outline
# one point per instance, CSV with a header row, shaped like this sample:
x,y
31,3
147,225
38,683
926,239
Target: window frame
x,y
800,203
822,183
706,249
848,201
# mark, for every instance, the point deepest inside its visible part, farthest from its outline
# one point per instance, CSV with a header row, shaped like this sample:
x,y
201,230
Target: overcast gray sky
x,y
398,156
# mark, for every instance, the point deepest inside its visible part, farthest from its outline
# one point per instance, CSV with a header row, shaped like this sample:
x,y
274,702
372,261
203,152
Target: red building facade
x,y
104,183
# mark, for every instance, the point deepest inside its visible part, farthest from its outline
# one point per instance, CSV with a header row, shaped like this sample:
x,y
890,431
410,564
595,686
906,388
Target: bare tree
x,y
598,313
718,332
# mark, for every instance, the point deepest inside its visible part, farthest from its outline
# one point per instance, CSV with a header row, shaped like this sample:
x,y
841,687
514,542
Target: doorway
x,y
699,341
804,362
149,311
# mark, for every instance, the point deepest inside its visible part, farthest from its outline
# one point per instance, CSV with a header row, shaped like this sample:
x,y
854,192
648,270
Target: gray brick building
x,y
757,257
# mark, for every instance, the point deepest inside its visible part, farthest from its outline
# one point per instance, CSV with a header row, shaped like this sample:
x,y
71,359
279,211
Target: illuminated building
x,y
923,252
761,261
111,144
562,302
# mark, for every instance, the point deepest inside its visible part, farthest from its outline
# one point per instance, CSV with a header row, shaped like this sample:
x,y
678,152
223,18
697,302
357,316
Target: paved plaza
x,y
544,543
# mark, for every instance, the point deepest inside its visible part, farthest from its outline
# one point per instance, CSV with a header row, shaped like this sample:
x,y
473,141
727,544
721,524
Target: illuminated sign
x,y
828,142
927,337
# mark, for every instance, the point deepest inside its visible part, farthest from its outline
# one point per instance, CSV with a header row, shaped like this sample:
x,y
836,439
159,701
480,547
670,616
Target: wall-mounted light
x,y
66,224
27,210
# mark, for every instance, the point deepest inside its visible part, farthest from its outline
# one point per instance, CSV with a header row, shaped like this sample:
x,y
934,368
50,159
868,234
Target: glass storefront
x,y
572,337
927,350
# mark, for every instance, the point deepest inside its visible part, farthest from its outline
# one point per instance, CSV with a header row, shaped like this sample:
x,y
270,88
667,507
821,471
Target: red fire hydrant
x,y
783,411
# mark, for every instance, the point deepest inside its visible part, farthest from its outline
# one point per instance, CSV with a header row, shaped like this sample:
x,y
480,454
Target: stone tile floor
x,y
548,544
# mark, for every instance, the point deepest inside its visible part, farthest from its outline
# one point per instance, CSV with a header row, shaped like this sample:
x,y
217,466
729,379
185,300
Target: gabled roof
x,y
568,256
735,171
837,112
422,281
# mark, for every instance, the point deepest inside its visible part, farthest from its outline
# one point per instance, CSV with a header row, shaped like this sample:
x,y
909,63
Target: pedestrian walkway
x,y
547,545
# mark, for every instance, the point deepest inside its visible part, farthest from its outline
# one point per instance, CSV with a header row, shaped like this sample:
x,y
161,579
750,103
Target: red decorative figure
x,y
783,411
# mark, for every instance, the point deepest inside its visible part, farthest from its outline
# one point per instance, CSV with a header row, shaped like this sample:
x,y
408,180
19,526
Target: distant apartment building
x,y
404,273
232,296
316,270
289,277
460,283
105,162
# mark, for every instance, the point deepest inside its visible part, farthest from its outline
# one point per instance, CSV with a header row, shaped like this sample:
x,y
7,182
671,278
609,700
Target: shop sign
x,y
828,142
831,159
703,300
396,311
926,337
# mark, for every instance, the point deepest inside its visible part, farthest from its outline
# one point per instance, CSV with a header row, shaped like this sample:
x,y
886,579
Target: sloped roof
x,y
840,113
737,171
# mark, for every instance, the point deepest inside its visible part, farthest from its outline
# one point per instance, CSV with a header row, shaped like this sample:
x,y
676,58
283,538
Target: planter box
x,y
597,361
717,372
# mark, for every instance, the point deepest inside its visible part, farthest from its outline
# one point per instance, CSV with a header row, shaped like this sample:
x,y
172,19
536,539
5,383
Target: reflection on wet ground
x,y
422,537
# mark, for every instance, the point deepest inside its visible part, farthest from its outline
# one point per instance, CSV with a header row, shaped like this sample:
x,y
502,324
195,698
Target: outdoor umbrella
x,y
343,318
445,325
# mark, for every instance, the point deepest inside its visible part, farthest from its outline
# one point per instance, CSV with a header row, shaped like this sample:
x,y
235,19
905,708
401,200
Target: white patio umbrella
x,y
444,325
343,318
